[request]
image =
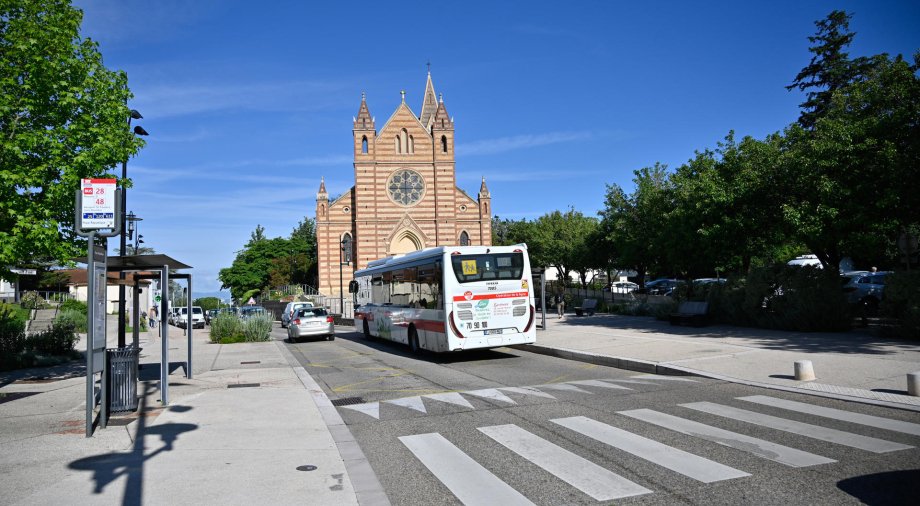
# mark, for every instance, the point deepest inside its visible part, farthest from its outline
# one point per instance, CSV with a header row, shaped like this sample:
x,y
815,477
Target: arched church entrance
x,y
405,242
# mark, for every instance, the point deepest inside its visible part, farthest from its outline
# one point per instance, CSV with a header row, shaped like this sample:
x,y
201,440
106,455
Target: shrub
x,y
258,327
60,339
902,301
32,300
73,305
12,336
225,326
784,297
73,317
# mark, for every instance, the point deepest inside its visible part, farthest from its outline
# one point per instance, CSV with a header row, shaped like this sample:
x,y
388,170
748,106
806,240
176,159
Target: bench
x,y
587,306
691,313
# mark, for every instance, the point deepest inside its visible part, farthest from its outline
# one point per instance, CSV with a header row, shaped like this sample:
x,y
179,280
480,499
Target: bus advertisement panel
x,y
448,298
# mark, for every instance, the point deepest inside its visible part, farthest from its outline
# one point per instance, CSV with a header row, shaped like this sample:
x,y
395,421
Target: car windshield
x,y
196,310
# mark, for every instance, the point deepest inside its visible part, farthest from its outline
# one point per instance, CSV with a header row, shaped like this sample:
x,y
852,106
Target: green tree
x,y
207,303
63,117
830,68
554,239
636,221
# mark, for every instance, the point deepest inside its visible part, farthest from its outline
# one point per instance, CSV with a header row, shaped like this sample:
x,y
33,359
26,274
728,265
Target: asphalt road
x,y
508,426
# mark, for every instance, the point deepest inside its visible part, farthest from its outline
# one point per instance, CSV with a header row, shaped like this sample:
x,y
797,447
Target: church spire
x,y
429,102
364,121
483,189
322,195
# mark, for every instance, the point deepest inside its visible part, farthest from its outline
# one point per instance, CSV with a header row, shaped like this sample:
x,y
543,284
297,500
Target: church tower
x,y
405,197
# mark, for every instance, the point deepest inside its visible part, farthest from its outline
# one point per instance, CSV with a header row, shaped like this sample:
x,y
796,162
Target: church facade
x,y
405,197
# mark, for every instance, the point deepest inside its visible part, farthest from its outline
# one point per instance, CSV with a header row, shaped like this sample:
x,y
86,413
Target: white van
x,y
197,317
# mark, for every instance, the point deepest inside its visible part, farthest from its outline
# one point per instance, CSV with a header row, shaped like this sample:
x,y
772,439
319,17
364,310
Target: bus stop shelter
x,y
163,268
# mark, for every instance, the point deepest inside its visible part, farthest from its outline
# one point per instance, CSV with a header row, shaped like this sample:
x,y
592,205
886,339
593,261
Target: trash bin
x,y
122,378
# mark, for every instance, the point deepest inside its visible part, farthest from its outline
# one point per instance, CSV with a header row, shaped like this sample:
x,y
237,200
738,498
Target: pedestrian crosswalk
x,y
474,482
500,396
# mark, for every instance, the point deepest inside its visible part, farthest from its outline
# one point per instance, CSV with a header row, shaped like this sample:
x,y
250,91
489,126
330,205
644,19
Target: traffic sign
x,y
157,299
98,203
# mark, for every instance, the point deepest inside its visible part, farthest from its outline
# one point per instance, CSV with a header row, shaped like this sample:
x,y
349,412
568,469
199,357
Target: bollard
x,y
913,384
804,370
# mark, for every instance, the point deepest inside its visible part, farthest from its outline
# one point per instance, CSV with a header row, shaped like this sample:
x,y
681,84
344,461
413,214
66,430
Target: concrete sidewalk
x,y
248,428
852,365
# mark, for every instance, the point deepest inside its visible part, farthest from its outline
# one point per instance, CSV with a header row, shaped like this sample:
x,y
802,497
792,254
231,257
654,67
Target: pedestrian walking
x,y
560,305
152,318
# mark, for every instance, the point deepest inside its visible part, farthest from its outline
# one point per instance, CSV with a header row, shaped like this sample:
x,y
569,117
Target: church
x,y
405,197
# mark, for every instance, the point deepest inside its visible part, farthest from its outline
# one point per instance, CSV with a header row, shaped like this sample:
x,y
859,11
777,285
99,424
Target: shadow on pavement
x,y
111,466
73,369
894,487
855,341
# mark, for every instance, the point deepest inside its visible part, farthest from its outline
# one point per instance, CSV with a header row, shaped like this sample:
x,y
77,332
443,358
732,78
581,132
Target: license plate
x,y
316,323
494,331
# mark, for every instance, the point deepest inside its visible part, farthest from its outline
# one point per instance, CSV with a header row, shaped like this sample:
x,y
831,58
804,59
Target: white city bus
x,y
448,298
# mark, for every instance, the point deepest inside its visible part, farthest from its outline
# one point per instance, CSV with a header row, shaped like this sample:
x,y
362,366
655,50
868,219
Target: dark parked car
x,y
863,288
210,314
247,312
661,286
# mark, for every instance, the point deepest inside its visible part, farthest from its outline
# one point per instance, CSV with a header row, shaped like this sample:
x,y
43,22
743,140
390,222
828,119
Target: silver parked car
x,y
288,314
311,322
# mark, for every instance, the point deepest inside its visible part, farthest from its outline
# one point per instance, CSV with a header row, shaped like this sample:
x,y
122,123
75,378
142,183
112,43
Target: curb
x,y
649,367
368,490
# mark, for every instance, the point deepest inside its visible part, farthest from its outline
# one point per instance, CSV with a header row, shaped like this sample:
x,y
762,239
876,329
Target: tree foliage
x,y
63,117
265,263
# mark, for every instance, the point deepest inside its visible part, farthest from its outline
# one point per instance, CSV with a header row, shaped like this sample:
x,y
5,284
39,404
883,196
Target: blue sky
x,y
248,104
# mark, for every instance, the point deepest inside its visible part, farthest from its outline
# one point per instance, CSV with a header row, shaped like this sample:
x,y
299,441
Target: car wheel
x,y
367,331
413,341
330,337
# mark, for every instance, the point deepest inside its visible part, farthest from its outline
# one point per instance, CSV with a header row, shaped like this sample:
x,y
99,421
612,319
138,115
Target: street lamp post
x,y
341,295
124,205
132,228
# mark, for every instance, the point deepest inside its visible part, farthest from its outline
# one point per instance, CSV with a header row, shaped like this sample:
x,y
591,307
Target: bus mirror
x,y
352,286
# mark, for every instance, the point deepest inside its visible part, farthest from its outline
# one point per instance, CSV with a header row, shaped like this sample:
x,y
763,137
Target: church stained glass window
x,y
406,187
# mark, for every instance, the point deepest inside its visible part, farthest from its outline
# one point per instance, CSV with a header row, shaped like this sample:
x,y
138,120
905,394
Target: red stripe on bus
x,y
508,295
429,325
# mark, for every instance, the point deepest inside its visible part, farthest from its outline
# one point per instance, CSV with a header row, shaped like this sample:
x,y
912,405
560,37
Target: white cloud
x,y
503,144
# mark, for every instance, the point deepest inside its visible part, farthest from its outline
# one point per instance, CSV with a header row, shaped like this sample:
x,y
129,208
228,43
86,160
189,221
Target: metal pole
x,y
188,327
121,252
137,313
164,340
341,295
90,315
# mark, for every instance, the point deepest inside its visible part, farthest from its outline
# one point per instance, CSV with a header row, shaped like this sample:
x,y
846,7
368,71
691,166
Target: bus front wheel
x,y
413,341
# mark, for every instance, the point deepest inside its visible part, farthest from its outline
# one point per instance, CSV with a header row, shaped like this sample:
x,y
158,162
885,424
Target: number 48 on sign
x,y
98,203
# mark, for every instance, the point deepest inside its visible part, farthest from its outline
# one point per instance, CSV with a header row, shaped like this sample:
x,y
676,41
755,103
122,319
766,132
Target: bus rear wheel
x,y
413,341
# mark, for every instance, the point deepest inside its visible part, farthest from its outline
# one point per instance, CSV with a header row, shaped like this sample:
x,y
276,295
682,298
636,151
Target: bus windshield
x,y
488,266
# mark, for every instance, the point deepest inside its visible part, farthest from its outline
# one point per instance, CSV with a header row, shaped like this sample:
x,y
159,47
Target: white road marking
x,y
411,403
563,387
803,429
471,483
685,463
369,409
527,391
759,447
491,393
837,414
586,476
599,384
451,398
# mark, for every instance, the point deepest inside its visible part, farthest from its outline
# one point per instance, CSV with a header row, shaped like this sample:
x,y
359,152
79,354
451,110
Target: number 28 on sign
x,y
98,203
